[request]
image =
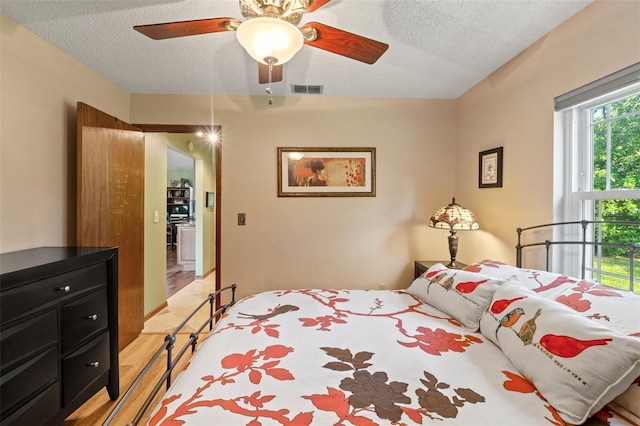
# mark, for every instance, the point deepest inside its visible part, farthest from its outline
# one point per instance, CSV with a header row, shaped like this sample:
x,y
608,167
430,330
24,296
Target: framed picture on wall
x,y
490,168
326,172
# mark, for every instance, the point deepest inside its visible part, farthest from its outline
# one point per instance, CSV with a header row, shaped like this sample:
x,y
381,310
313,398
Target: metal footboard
x,y
172,360
584,243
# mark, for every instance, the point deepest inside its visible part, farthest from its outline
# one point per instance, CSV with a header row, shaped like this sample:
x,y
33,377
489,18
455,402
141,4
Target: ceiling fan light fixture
x,y
266,38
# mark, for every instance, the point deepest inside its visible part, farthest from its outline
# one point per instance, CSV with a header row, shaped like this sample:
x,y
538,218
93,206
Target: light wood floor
x,y
132,361
177,279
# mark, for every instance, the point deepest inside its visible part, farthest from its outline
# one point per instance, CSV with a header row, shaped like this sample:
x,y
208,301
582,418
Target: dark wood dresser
x,y
58,331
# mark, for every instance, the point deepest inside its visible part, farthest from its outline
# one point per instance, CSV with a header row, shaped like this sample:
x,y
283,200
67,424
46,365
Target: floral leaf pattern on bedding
x,y
374,392
323,323
247,361
367,389
260,322
347,360
253,363
393,361
432,341
615,309
438,341
517,383
577,300
433,400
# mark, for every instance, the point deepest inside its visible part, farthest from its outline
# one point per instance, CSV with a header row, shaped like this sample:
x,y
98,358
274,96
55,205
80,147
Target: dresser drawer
x,y
22,300
22,341
83,319
28,378
84,366
40,410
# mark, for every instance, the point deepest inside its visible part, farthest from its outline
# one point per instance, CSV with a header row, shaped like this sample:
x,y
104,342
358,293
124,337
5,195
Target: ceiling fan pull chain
x,y
270,61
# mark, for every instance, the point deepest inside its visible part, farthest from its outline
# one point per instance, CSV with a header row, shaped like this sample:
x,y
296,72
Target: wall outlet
x,y
382,286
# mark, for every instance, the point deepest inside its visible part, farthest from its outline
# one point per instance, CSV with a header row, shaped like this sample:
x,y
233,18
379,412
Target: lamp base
x,y
453,250
454,265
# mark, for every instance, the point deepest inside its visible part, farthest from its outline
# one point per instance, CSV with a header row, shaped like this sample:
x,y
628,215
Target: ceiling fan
x,y
271,35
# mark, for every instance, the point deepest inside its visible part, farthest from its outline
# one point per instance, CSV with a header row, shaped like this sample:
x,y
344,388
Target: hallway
x,y
177,279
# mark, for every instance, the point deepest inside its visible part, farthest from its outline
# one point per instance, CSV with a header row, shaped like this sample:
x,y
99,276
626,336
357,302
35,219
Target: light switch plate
x,y
242,219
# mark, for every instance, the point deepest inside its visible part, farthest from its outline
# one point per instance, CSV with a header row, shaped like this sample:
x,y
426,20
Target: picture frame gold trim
x,y
490,168
326,172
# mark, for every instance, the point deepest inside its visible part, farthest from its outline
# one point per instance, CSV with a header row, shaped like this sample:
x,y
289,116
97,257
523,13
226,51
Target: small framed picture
x,y
490,168
211,196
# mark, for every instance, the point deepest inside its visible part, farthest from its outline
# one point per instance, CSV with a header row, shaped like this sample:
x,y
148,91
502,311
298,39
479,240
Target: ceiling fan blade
x,y
316,4
263,73
187,28
346,44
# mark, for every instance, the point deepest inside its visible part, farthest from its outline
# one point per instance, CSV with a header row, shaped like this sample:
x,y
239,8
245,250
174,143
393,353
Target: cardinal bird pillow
x,y
577,364
461,294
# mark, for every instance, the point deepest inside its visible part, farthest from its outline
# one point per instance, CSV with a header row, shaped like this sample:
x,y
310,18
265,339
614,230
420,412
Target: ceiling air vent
x,y
310,90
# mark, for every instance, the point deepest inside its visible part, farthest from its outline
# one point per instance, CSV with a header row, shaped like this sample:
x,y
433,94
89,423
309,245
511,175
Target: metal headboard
x,y
632,247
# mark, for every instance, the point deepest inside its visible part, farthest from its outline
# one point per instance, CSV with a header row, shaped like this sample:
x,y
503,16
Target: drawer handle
x,y
66,289
95,364
93,317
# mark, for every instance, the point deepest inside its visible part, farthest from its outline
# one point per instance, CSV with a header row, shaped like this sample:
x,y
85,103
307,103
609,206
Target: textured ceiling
x,y
438,48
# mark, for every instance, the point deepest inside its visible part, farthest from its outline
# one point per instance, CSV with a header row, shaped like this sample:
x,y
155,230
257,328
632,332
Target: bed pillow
x,y
546,284
613,308
463,295
577,364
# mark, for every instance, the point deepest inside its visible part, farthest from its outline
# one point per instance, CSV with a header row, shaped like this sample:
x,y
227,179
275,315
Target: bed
x,y
491,344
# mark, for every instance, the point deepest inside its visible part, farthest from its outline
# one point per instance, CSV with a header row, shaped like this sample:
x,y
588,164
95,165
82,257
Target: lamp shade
x,y
270,38
455,217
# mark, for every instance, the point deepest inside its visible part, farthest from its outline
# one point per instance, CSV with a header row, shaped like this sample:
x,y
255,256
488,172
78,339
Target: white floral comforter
x,y
332,357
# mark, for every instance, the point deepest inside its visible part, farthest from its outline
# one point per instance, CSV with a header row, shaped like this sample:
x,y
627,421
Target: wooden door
x,y
110,205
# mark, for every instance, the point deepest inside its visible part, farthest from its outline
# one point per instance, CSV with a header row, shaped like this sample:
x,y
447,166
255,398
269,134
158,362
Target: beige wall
x,y
426,149
39,89
513,108
155,234
355,242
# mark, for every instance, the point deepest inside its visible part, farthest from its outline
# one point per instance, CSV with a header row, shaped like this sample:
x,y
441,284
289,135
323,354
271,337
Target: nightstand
x,y
421,266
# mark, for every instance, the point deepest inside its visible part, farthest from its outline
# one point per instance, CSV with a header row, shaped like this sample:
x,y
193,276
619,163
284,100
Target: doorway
x,y
180,213
210,218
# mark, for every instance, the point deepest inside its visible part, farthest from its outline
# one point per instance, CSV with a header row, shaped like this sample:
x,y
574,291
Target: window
x,y
597,173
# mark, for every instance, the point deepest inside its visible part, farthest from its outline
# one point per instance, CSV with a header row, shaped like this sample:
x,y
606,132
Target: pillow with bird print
x,y
544,283
576,364
616,309
461,294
